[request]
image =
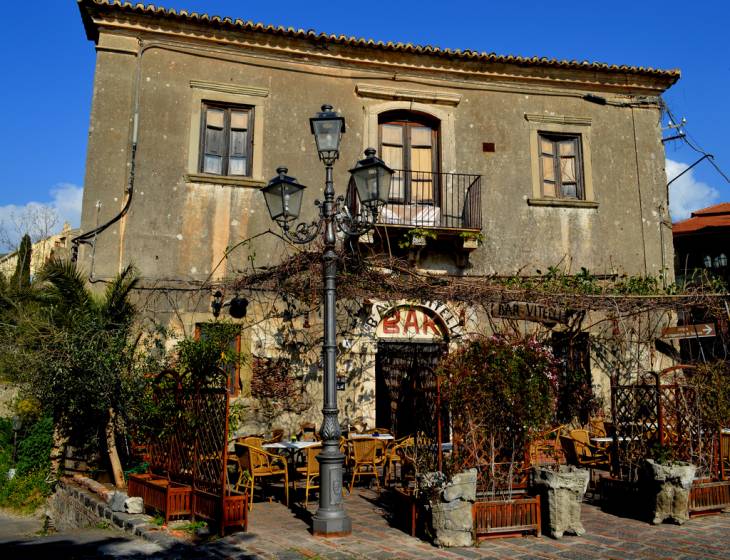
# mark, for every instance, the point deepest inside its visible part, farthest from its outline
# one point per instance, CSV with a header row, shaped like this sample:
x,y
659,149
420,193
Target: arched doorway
x,y
411,341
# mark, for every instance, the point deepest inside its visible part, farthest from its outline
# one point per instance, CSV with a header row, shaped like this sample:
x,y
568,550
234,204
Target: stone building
x,y
57,245
504,166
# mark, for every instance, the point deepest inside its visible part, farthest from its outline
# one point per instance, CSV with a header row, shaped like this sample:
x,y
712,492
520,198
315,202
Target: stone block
x,y
446,537
134,505
668,488
462,486
118,500
452,516
561,494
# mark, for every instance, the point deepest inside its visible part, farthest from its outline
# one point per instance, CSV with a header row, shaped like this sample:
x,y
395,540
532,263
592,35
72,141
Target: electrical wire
x,y
694,145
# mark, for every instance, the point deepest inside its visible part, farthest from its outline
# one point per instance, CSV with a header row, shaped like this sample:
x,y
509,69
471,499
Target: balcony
x,y
448,201
448,205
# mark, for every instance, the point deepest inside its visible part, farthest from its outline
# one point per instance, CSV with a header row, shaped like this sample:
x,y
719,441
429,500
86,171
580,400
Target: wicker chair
x,y
395,454
253,463
307,432
309,472
367,456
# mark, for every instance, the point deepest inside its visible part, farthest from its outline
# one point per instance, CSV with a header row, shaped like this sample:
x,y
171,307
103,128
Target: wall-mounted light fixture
x,y
237,306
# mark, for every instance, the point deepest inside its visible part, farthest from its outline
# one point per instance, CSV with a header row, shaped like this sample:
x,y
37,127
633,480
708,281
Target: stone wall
x,y
72,507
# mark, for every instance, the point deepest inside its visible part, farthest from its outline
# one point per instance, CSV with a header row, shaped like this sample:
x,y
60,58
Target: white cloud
x,y
40,219
687,194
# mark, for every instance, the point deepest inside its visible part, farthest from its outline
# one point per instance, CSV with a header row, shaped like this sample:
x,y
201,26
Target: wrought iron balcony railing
x,y
433,200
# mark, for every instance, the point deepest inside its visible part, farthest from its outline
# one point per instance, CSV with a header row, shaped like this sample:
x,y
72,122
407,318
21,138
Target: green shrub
x,y
34,450
28,489
24,494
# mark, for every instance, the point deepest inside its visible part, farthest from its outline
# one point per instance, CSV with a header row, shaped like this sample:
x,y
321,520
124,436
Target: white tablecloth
x,y
292,445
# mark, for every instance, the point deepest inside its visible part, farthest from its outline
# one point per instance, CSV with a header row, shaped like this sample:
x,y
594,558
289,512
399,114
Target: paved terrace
x,y
277,532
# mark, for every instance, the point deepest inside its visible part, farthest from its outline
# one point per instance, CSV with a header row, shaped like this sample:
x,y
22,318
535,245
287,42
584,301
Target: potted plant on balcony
x,y
501,391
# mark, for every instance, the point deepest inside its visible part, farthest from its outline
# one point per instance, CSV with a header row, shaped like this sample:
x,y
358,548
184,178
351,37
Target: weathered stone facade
x,y
185,229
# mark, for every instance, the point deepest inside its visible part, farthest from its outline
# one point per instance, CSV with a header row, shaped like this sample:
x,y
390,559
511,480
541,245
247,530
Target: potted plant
x,y
501,391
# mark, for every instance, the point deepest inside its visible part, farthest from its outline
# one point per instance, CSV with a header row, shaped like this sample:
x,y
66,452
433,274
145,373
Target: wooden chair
x,y
276,436
256,441
253,463
307,432
358,426
367,456
578,447
309,472
395,454
597,427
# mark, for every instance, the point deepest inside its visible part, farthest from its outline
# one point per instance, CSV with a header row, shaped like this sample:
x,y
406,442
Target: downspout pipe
x,y
88,238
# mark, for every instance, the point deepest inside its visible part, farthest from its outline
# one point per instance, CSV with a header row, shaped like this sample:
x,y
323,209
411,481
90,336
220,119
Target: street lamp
x,y
283,197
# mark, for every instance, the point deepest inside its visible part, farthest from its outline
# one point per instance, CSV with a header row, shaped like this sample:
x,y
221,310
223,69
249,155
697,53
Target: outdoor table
x,y
386,437
291,445
609,439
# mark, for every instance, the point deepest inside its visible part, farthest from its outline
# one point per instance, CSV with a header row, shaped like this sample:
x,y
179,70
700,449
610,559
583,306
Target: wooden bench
x,y
171,499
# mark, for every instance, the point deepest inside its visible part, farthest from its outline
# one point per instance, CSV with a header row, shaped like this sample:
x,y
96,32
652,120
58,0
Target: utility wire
x,y
694,145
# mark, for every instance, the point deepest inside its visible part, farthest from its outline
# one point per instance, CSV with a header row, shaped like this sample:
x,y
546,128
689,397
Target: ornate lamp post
x,y
283,197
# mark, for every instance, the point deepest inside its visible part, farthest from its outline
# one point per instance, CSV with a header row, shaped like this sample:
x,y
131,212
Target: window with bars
x,y
226,140
561,168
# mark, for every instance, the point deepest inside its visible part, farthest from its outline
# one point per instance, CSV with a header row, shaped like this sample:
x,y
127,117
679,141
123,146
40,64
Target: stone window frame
x,y
234,95
567,126
446,116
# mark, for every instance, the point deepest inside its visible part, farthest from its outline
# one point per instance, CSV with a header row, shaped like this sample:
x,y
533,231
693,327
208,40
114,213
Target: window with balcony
x,y
409,144
420,195
226,139
561,169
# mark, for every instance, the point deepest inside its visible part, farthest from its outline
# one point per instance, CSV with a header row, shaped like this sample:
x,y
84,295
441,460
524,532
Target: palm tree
x,y
88,345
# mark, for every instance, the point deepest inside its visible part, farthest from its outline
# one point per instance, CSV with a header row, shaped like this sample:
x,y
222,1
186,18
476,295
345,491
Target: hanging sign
x,y
689,331
530,312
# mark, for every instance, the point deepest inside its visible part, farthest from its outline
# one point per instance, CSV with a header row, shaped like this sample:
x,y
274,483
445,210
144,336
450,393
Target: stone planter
x,y
561,494
667,489
451,507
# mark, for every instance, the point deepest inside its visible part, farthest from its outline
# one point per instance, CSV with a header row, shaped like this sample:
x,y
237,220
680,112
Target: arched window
x,y
409,143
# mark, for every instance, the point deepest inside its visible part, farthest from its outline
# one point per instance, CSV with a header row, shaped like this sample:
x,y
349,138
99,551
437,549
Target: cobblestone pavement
x,y
277,532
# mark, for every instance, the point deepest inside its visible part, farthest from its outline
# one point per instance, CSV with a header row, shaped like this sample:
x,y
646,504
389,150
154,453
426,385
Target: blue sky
x,y
49,68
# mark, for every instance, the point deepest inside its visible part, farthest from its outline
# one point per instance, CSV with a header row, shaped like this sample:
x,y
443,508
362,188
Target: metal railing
x,y
433,200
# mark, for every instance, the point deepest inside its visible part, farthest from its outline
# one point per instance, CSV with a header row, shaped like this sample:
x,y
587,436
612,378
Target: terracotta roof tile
x,y
722,208
241,25
717,216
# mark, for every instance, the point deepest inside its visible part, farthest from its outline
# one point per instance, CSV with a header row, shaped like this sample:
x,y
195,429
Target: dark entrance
x,y
406,391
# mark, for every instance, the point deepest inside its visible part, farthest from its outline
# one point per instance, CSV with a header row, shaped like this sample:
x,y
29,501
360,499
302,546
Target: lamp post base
x,y
332,527
331,519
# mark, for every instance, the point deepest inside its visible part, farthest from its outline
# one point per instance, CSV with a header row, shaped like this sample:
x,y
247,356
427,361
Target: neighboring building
x,y
550,163
58,246
702,243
